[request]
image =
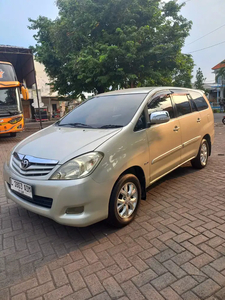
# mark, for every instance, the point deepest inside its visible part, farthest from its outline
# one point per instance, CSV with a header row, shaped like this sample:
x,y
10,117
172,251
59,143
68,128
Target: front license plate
x,y
21,188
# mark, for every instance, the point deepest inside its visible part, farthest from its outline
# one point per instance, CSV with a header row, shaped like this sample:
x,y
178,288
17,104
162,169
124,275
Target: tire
x,y
200,161
223,120
13,134
123,216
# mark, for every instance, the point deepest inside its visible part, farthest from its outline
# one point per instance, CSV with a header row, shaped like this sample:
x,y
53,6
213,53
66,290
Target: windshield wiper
x,y
111,126
76,125
12,113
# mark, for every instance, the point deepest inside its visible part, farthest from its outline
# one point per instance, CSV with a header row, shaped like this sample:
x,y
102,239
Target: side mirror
x,y
25,93
159,117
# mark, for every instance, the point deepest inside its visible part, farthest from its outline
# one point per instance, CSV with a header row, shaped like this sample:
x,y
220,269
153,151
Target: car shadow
x,y
177,173
4,136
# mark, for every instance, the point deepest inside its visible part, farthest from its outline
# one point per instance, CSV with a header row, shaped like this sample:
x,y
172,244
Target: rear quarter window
x,y
199,101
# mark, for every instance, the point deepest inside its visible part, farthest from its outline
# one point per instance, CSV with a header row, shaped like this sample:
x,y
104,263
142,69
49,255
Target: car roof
x,y
144,90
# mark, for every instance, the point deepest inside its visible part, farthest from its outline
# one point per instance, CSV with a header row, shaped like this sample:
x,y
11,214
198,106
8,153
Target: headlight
x,y
78,167
16,120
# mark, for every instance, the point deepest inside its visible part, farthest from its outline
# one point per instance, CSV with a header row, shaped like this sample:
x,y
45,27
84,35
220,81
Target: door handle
x,y
176,128
198,120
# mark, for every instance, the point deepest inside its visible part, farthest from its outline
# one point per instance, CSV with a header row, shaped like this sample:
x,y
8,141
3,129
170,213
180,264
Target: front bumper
x,y
84,193
7,128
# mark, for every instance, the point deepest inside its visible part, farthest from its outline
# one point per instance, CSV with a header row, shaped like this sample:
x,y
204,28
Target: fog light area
x,y
74,210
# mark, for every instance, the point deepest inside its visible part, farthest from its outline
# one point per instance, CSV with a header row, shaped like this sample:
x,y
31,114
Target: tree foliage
x,y
199,83
94,45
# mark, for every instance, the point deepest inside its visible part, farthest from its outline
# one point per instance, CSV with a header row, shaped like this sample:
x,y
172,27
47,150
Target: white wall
x,y
43,80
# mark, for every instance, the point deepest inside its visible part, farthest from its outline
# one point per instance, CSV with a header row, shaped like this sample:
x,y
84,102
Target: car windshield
x,y
9,101
110,111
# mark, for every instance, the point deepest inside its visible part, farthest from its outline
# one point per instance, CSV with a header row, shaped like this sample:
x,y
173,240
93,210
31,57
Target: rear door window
x,y
183,106
193,106
199,101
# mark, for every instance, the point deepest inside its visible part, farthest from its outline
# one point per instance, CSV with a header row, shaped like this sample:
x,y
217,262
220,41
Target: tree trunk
x,y
132,84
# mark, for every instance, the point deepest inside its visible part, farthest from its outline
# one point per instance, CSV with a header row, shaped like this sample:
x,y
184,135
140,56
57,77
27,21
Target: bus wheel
x,y
12,134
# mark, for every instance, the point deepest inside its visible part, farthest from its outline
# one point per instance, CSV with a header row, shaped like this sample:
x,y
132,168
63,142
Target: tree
x,y
95,45
183,73
220,74
199,83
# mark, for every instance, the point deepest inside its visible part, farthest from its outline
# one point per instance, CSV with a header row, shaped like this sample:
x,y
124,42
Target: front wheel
x,y
124,200
200,161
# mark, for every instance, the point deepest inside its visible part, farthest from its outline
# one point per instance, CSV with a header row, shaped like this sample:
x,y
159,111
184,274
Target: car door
x,y
164,140
206,115
190,123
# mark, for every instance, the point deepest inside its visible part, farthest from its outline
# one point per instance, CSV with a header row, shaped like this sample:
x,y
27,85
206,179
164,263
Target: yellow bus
x,y
11,112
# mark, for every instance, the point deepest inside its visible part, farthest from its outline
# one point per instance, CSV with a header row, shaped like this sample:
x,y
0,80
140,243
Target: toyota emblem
x,y
25,163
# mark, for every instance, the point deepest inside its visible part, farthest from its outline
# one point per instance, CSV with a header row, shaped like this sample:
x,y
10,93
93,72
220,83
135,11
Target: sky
x,y
14,16
206,15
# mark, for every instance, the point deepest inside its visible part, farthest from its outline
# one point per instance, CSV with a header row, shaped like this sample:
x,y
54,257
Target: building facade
x,y
219,82
48,99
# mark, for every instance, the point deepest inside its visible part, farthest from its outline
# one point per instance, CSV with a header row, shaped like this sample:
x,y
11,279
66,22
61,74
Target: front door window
x,y
161,101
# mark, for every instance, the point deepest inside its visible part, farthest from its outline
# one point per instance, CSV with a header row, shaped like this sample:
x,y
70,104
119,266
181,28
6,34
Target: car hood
x,y
63,143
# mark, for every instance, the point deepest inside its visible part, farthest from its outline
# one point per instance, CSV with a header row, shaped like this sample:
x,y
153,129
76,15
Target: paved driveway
x,y
173,250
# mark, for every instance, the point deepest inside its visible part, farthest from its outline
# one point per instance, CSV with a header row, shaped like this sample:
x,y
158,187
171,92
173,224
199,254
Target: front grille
x,y
37,200
27,165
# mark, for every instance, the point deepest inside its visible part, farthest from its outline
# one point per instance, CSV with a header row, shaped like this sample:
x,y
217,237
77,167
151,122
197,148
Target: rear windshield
x,y
104,112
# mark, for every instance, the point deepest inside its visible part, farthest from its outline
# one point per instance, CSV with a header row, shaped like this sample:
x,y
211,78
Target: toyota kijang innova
x,y
97,161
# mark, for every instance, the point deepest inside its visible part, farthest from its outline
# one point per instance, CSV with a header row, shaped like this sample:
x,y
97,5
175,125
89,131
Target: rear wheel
x,y
124,200
200,161
12,134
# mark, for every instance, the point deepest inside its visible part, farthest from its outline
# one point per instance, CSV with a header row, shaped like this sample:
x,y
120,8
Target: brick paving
x,y
173,250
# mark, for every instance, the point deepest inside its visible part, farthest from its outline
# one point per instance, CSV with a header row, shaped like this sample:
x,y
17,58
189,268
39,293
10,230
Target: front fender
x,y
126,150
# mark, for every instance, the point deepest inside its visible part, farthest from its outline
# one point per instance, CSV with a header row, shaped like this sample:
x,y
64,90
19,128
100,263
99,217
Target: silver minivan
x,y
97,161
